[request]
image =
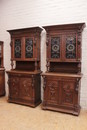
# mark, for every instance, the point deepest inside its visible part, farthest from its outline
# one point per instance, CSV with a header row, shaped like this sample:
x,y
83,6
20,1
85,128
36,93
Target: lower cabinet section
x,y
61,93
2,82
24,88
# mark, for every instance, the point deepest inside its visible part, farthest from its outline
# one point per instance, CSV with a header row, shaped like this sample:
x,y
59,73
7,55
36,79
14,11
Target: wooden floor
x,y
18,117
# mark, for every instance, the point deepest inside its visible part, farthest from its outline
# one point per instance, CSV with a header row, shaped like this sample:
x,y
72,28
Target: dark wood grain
x,y
2,70
24,79
61,82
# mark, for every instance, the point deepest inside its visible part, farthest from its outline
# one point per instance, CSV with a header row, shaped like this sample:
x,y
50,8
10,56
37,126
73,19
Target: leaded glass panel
x,y
71,47
55,47
17,48
29,48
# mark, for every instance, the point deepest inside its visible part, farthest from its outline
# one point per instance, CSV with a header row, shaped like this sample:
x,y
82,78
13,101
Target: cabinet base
x,y
1,95
26,103
60,109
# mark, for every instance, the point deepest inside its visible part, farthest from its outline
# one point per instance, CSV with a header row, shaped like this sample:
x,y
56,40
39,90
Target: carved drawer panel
x,y
52,92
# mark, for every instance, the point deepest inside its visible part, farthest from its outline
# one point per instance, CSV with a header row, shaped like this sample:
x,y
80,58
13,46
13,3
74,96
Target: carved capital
x,y
48,66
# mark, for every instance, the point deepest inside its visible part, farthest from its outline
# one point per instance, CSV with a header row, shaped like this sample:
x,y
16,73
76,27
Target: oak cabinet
x,y
2,71
61,92
24,78
24,88
63,76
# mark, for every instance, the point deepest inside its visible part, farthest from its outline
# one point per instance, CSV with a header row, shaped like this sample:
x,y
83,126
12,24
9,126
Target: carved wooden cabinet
x,y
62,78
24,77
2,71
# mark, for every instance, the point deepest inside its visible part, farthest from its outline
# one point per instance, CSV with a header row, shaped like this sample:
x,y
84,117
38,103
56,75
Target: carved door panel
x,y
54,48
68,92
70,43
26,89
51,94
14,87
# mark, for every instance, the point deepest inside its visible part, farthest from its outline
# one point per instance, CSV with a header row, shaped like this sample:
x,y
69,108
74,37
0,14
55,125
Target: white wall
x,y
25,13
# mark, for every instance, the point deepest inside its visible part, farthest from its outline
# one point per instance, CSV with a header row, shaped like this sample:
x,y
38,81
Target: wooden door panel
x,y
67,93
52,92
14,87
26,90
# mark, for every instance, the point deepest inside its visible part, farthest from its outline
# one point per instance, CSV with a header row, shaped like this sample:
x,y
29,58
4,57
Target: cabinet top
x,y
62,75
30,29
23,72
72,26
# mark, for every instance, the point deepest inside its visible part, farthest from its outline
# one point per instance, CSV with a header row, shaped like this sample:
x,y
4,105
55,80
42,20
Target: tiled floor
x,y
18,117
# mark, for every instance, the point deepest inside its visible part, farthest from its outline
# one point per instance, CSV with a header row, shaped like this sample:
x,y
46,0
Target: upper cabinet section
x,y
64,42
1,54
25,44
